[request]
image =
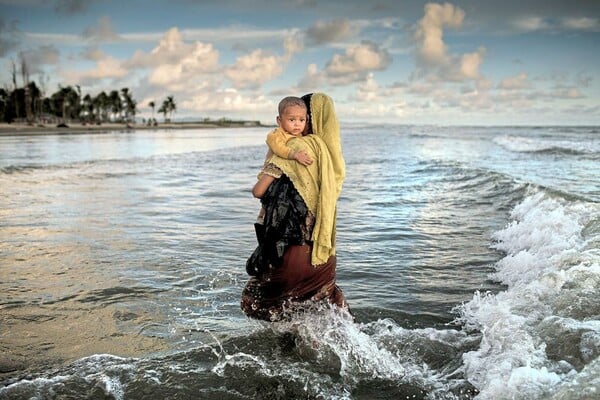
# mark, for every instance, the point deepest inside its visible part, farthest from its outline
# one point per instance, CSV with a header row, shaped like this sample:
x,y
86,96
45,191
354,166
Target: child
x,y
291,122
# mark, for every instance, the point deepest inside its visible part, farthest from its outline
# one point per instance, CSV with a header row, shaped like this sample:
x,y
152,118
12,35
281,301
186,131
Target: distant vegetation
x,y
30,104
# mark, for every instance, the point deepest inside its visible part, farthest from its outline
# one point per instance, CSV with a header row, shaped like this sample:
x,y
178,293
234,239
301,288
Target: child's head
x,y
292,115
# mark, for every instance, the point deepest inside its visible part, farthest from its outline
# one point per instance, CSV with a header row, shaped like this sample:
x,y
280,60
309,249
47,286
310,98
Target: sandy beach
x,y
23,129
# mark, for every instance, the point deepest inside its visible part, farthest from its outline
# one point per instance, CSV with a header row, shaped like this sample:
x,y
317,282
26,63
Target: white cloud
x,y
292,45
541,23
567,93
357,61
431,49
106,68
254,69
469,64
368,90
581,23
225,102
520,81
432,52
532,23
175,64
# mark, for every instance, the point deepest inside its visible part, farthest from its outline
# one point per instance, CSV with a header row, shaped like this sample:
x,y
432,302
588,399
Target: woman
x,y
295,259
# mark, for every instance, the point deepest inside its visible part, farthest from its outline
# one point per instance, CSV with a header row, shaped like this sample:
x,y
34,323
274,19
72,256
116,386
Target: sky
x,y
469,62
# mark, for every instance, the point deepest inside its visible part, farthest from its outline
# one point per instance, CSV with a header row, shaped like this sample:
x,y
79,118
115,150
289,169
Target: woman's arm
x,y
262,185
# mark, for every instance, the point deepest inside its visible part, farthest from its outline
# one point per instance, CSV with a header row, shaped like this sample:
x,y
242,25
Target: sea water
x,y
470,257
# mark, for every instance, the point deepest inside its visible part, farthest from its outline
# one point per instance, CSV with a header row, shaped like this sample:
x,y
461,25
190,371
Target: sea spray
x,y
531,344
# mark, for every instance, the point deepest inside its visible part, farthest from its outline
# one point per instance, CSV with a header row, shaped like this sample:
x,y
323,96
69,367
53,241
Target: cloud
x,y
356,62
38,58
254,69
536,23
175,64
368,90
567,93
532,23
93,54
224,102
292,45
329,31
581,23
101,32
431,49
520,81
107,67
312,79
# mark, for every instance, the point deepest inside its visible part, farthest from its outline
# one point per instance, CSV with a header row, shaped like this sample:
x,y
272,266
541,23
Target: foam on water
x,y
338,356
523,144
541,336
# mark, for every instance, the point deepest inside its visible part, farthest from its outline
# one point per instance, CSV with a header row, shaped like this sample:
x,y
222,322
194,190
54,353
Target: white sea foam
x,y
536,341
523,144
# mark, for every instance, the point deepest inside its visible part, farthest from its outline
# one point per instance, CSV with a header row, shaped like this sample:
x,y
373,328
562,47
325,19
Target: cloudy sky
x,y
394,61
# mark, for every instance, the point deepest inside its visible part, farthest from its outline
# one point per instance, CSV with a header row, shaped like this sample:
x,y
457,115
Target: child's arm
x,y
277,144
262,185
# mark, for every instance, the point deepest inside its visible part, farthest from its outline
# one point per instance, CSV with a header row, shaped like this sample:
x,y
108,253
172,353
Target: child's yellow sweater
x,y
277,141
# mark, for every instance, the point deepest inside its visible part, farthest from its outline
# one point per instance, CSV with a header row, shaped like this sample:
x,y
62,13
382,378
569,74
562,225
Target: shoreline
x,y
24,129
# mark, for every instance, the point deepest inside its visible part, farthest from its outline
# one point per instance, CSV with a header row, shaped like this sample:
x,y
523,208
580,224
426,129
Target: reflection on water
x,y
122,261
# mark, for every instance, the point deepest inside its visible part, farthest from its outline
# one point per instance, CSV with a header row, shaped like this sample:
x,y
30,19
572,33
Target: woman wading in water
x,y
295,260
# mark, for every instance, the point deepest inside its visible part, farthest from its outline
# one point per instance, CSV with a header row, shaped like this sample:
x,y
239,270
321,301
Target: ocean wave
x,y
541,336
520,144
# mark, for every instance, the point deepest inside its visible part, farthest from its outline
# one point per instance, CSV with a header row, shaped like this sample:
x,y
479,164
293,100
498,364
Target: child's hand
x,y
303,158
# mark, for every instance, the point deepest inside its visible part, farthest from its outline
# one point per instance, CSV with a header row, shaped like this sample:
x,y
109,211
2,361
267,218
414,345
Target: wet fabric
x,y
283,274
296,281
287,221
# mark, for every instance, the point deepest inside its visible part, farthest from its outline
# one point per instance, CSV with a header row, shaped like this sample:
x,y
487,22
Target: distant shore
x,y
23,129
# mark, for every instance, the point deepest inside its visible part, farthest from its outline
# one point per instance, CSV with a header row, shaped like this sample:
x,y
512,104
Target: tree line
x,y
28,103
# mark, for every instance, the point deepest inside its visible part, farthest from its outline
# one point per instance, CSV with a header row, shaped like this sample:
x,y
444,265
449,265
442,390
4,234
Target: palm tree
x,y
164,109
152,105
87,108
171,106
66,103
116,107
130,104
101,106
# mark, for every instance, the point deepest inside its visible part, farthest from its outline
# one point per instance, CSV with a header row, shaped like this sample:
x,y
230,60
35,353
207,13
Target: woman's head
x,y
308,130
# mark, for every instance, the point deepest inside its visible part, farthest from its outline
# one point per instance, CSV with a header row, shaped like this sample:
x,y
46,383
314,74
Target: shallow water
x,y
469,256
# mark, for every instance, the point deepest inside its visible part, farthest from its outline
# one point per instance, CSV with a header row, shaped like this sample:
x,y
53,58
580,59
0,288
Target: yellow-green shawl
x,y
320,183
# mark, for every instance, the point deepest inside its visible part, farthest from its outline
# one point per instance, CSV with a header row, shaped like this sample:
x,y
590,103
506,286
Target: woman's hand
x,y
262,185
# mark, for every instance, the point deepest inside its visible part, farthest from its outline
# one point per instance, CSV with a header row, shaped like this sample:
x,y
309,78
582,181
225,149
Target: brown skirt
x,y
296,281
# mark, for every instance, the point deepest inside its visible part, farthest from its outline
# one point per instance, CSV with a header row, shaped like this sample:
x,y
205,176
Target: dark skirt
x,y
295,281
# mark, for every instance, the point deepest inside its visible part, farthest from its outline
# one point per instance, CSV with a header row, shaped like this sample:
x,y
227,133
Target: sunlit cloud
x,y
431,49
520,81
107,67
254,69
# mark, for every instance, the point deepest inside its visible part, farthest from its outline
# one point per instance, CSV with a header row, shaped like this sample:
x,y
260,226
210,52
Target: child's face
x,y
293,120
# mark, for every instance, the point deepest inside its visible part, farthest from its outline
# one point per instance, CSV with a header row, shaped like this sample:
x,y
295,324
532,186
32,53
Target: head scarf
x,y
326,126
320,183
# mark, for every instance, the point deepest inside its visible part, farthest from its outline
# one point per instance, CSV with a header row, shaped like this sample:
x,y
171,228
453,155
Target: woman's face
x,y
293,120
308,127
